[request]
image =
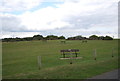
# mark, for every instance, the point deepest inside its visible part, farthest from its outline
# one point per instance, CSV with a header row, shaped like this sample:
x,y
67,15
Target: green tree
x,y
27,38
108,38
51,37
93,37
101,37
38,37
79,37
61,37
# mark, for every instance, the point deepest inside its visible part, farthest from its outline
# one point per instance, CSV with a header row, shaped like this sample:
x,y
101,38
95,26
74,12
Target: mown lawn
x,y
20,59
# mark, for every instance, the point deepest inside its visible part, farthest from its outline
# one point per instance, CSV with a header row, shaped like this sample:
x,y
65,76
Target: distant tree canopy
x,y
108,38
38,37
93,37
79,37
101,38
53,37
61,37
27,39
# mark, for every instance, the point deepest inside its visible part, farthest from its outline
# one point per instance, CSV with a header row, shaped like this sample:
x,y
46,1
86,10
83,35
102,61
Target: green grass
x,y
20,59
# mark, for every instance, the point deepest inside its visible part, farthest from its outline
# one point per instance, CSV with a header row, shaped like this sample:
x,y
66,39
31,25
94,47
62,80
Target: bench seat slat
x,y
70,50
71,53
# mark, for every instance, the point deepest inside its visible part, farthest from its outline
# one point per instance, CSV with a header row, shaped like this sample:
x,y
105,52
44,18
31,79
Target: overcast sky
x,y
23,18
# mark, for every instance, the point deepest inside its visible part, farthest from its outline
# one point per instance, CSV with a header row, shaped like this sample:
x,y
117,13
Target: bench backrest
x,y
70,50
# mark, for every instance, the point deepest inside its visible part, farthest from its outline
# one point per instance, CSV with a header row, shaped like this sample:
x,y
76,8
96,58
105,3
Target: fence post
x,y
112,52
71,59
95,54
39,62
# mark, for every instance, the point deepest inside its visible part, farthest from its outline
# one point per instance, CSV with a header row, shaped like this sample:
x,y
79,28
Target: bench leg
x,y
63,55
76,54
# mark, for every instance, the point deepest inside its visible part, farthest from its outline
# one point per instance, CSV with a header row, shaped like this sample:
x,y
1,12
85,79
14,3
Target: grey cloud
x,y
105,16
119,19
11,23
69,32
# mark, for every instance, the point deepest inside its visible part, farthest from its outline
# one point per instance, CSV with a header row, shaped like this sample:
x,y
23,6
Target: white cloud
x,y
11,23
18,34
18,5
84,15
71,14
46,18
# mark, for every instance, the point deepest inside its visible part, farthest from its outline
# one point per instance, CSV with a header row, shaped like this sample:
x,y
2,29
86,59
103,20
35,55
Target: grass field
x,y
20,59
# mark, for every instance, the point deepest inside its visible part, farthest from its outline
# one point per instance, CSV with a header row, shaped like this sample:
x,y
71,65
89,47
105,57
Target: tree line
x,y
53,37
35,37
92,37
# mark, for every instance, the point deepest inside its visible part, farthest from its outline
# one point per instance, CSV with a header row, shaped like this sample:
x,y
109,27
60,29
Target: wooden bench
x,y
69,52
